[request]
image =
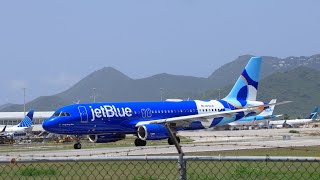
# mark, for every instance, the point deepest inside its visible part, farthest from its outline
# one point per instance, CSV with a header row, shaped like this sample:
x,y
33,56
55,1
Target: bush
x,y
294,131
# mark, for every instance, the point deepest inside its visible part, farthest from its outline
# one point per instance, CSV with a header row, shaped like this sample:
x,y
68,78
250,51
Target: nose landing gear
x,y
77,145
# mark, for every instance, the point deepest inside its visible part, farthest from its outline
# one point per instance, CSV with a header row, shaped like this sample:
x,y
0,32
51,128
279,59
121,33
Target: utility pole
x,y
161,93
94,94
24,101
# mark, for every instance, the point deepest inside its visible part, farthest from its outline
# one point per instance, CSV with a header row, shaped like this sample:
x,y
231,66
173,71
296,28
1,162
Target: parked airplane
x,y
296,122
21,129
146,120
256,120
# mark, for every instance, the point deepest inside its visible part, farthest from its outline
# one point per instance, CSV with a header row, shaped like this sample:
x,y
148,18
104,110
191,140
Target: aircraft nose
x,y
47,125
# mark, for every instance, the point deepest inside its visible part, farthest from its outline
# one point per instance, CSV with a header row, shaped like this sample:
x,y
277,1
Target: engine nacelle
x,y
105,138
152,132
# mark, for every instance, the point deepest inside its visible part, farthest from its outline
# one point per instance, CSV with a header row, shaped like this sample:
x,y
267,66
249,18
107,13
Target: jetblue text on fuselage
x,y
108,111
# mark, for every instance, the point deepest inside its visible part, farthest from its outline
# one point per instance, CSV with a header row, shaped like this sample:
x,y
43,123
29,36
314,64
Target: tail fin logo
x,y
314,114
27,120
246,86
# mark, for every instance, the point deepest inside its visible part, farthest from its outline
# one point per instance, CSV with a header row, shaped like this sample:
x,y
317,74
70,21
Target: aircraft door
x,y
83,114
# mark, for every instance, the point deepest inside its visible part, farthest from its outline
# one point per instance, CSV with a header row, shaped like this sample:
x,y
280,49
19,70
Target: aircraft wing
x,y
206,116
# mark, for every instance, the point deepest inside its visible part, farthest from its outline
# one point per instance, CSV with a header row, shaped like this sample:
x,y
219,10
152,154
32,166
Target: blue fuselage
x,y
100,118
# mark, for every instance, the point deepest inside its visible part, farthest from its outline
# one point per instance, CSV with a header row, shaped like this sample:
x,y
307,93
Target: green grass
x,y
50,145
145,170
36,171
150,170
310,151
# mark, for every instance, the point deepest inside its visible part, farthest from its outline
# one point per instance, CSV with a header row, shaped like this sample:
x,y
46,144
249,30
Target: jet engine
x,y
105,138
152,132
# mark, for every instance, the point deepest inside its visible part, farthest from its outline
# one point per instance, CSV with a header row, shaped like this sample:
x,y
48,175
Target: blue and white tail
x,y
4,129
269,111
27,120
314,114
246,86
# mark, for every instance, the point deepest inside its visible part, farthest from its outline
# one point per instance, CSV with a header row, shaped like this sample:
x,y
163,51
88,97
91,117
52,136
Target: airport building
x,y
13,118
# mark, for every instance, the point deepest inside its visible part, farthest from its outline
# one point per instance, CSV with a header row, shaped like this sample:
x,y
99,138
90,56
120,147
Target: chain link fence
x,y
162,167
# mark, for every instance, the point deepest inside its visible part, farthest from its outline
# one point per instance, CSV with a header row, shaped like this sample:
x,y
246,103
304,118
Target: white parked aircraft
x,y
256,120
20,129
296,122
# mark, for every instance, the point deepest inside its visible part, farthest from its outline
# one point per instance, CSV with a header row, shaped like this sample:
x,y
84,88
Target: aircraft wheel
x,y
77,146
139,142
170,142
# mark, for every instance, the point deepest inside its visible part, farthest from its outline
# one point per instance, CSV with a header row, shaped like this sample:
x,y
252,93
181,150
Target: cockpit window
x,y
57,114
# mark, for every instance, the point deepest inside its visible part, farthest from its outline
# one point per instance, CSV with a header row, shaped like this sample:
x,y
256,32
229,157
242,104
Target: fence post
x,y
182,167
181,162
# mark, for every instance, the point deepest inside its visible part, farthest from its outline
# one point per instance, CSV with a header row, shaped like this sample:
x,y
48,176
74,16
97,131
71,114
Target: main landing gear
x,y
140,142
77,145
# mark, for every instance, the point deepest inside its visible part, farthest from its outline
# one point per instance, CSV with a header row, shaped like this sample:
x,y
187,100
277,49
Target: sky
x,y
48,46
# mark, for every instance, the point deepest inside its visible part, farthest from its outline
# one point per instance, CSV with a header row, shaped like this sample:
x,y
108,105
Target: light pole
x,y
161,93
24,101
94,94
219,93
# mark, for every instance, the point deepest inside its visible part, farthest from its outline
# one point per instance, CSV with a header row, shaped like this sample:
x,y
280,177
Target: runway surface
x,y
203,141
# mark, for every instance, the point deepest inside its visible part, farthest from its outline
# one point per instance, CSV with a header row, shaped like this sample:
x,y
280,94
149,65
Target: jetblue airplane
x,y
21,128
295,122
113,120
255,120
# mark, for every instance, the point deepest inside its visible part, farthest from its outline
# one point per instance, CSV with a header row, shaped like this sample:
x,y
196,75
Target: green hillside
x,y
110,84
300,85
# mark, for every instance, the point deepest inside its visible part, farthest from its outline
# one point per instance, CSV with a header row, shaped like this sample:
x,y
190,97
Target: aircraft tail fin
x,y
314,114
246,86
4,129
27,120
269,111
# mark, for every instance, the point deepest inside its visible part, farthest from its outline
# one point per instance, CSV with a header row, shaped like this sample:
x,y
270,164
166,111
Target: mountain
x,y
5,105
229,72
110,84
300,85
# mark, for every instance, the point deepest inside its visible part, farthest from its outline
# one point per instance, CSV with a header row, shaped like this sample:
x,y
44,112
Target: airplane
x,y
148,120
20,129
255,120
295,122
